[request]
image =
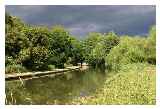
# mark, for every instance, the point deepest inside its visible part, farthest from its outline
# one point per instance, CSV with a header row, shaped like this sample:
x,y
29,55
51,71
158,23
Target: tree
x,y
13,23
129,50
91,41
110,40
59,46
101,49
77,51
15,38
38,36
89,44
96,57
35,57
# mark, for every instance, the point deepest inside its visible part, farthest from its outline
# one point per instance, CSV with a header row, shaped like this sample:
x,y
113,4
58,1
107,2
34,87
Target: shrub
x,y
15,69
14,42
34,58
9,60
130,50
102,48
151,46
96,57
51,67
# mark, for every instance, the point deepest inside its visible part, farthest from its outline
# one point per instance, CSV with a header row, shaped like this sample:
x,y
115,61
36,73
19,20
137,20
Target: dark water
x,y
61,89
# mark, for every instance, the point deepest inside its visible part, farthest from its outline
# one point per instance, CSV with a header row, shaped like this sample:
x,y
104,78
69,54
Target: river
x,y
61,89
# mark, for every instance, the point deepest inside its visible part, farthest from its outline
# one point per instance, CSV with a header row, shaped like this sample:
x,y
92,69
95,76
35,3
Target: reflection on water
x,y
55,90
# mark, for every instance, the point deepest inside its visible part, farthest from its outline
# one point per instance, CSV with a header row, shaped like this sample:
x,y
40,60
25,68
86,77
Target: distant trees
x,y
59,46
99,46
40,48
133,50
77,51
89,44
129,50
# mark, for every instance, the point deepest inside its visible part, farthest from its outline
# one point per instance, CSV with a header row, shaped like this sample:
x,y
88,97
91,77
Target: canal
x,y
61,89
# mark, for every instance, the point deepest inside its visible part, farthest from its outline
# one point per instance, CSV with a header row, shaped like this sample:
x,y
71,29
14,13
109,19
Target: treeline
x,y
37,48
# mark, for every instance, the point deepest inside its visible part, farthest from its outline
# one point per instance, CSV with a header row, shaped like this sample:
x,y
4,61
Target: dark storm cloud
x,y
132,20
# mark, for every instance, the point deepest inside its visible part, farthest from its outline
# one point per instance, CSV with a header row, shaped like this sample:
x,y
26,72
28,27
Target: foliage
x,y
15,69
110,40
150,46
9,60
51,67
90,42
77,51
102,49
96,57
35,58
38,36
59,46
131,50
15,39
128,51
37,47
13,23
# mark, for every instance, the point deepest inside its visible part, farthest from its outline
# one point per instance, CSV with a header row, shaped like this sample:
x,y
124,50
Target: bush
x,y
151,46
14,42
130,50
51,67
34,58
15,69
109,41
101,49
96,57
9,60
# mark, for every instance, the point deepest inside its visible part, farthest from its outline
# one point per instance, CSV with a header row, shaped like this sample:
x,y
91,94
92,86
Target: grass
x,y
133,84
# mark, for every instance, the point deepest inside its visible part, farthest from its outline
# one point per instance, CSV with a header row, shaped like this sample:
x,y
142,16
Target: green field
x,y
134,84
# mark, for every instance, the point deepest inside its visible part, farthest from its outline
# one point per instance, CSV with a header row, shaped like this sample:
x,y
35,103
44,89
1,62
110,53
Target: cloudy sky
x,y
132,20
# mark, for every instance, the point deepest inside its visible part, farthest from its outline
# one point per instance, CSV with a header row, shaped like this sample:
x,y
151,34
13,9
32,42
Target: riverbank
x,y
134,84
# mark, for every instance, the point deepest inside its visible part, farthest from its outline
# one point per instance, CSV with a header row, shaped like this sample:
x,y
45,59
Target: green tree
x,y
129,50
77,51
109,41
101,48
35,57
59,46
89,44
15,38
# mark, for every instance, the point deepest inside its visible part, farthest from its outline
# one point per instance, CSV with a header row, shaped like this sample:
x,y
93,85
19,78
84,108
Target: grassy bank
x,y
133,84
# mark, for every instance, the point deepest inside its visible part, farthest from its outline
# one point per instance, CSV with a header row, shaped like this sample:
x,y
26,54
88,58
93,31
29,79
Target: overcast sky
x,y
79,20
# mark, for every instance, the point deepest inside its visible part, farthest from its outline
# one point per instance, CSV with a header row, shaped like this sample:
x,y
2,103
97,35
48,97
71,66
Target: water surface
x,y
61,89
